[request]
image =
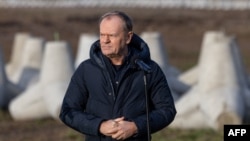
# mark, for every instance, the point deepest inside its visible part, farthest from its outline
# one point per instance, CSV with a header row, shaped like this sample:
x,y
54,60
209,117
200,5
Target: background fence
x,y
193,4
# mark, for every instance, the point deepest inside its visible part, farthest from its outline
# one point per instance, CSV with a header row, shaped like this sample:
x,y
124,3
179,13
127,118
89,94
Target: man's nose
x,y
106,39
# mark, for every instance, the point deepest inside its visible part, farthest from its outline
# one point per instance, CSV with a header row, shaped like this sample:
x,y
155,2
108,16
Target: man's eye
x,y
108,35
113,35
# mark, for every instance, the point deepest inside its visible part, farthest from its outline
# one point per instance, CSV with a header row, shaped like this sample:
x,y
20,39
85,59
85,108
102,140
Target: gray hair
x,y
128,24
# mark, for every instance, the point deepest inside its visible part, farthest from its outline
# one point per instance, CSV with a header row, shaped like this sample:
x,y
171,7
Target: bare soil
x,y
182,30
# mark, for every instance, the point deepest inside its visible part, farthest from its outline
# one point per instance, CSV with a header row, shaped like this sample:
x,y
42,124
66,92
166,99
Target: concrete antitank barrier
x,y
58,67
84,44
44,99
8,90
219,96
226,76
16,56
157,49
57,63
190,76
158,54
31,62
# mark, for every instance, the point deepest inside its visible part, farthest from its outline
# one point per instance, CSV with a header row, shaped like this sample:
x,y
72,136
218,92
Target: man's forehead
x,y
111,25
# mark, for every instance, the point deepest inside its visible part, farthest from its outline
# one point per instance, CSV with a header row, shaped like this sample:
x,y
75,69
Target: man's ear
x,y
129,37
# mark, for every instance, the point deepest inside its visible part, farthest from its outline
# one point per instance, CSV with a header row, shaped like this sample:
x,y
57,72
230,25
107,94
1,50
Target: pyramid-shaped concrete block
x,y
84,44
33,52
47,95
31,62
219,96
158,54
57,63
157,48
13,65
57,69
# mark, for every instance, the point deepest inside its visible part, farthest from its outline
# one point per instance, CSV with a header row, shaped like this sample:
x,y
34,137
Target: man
x,y
105,99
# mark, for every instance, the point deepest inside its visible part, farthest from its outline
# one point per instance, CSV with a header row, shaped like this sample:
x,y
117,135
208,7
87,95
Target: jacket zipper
x,y
112,87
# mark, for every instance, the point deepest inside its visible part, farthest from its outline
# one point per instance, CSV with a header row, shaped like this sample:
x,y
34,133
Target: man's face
x,y
113,38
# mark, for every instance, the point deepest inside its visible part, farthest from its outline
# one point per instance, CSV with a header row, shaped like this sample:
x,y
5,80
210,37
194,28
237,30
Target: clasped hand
x,y
118,128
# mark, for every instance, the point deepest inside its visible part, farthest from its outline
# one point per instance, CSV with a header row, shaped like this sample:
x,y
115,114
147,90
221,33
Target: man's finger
x,y
119,119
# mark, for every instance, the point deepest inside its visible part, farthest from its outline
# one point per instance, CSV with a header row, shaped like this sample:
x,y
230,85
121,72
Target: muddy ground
x,y
182,30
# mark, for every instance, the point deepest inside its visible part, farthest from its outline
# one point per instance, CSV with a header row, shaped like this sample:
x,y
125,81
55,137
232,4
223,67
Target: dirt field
x,y
182,31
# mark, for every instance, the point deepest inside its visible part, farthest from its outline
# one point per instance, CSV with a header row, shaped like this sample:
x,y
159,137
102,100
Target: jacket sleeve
x,y
162,107
73,107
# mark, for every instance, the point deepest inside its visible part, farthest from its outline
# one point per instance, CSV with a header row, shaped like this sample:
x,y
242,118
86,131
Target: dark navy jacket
x,y
92,96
